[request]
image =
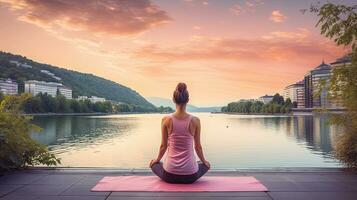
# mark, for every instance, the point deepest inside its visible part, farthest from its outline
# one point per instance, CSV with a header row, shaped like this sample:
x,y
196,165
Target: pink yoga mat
x,y
154,184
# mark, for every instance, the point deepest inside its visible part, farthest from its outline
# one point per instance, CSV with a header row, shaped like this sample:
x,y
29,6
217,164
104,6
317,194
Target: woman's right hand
x,y
207,164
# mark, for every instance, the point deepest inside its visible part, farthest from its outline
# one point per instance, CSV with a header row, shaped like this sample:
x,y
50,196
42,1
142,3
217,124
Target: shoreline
x,y
279,114
237,113
227,113
86,114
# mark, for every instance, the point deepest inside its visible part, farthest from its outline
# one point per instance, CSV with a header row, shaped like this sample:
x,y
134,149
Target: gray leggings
x,y
168,177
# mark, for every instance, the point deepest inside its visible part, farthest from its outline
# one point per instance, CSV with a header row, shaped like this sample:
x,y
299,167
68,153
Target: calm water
x,y
229,141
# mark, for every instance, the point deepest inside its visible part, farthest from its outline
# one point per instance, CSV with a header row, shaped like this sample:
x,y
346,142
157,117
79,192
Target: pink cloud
x,y
277,16
124,17
202,2
248,6
275,47
237,9
197,28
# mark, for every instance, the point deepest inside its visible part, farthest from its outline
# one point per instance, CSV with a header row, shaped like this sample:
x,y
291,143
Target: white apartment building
x,y
295,92
266,98
79,98
36,87
8,87
93,99
65,91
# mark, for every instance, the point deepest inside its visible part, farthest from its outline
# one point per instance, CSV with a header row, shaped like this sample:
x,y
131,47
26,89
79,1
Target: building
x,y
295,92
82,98
36,87
95,99
300,101
51,74
19,64
316,87
8,87
266,98
92,99
308,90
65,91
247,100
340,62
320,83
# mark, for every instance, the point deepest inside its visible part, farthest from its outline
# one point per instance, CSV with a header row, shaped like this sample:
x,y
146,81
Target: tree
x,y
122,108
163,109
287,106
257,107
224,109
61,104
295,105
48,103
17,148
339,22
33,105
75,106
278,99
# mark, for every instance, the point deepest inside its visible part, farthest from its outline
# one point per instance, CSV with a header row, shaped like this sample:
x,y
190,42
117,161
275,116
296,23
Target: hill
x,y
158,101
21,69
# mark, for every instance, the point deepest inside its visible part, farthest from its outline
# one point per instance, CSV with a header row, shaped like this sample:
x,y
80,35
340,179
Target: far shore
x,y
294,113
279,114
85,114
237,113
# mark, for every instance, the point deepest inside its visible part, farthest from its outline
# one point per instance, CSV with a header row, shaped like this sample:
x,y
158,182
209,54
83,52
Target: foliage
x,y
17,148
277,105
163,109
82,84
44,103
278,99
339,22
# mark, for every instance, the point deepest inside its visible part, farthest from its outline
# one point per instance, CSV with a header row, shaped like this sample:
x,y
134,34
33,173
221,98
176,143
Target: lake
x,y
229,141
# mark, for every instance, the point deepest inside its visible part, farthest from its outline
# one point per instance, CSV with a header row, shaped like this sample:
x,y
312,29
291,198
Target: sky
x,y
225,50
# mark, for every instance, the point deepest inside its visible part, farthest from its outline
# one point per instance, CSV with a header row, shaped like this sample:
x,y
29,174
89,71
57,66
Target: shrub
x,y
18,150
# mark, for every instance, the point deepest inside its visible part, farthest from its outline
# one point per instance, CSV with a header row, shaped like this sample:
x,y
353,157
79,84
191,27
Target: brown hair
x,y
181,95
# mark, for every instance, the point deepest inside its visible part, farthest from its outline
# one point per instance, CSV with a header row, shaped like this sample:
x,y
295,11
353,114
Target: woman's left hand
x,y
153,161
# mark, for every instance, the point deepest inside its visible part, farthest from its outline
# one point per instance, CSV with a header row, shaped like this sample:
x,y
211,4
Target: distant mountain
x,y
21,69
158,101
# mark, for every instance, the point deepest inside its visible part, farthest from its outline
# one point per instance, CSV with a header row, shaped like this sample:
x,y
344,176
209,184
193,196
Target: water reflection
x,y
230,141
314,131
64,133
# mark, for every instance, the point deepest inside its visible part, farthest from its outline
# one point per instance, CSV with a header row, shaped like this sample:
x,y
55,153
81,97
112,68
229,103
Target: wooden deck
x,y
283,184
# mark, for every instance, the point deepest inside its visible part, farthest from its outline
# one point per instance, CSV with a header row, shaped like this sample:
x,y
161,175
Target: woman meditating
x,y
180,134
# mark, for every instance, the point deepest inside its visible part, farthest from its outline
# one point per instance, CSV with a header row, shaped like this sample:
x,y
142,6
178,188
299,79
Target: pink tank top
x,y
180,157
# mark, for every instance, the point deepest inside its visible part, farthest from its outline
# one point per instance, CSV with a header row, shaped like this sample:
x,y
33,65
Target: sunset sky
x,y
224,50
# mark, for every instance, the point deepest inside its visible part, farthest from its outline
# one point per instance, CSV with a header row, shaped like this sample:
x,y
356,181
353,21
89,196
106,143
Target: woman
x,y
180,131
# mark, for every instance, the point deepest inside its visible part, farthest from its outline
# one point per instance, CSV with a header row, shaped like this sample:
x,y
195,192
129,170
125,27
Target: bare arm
x,y
198,146
163,145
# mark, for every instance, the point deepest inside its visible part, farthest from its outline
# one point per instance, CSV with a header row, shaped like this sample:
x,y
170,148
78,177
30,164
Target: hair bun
x,y
181,87
181,95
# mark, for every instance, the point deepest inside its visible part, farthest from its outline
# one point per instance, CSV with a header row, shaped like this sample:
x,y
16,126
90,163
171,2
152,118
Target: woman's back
x,y
180,157
180,132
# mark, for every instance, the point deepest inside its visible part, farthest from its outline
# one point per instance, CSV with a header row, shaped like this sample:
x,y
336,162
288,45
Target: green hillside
x,y
81,83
